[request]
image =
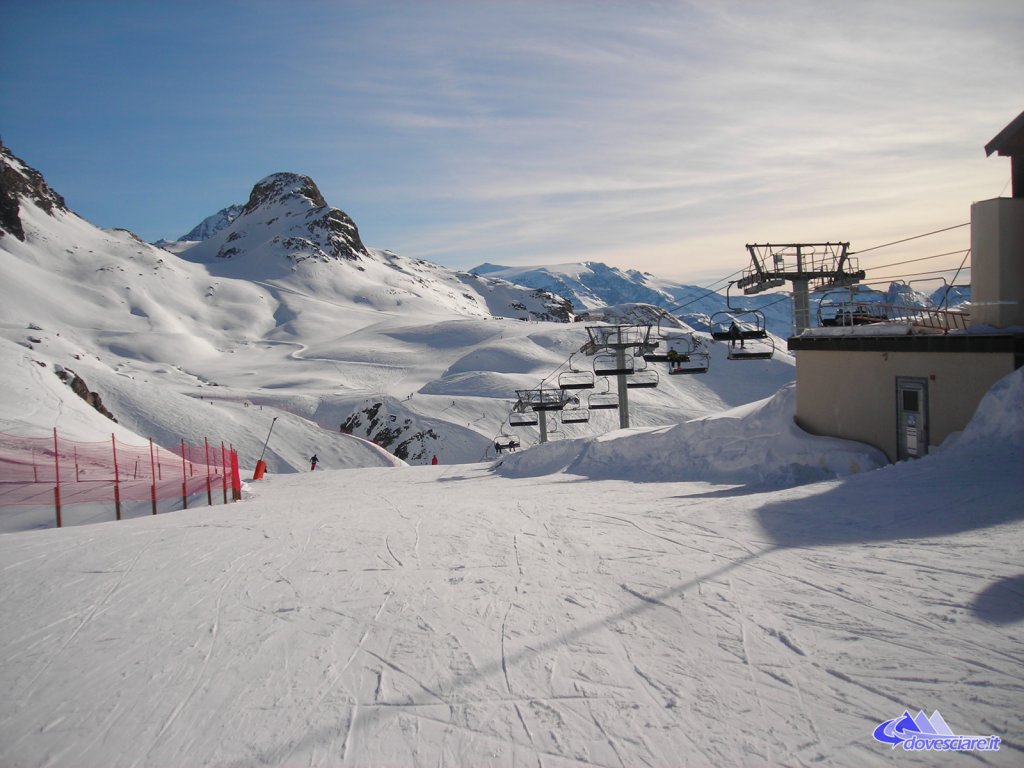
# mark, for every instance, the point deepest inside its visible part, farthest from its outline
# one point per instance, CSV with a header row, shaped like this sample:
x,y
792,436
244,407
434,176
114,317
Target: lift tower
x,y
807,265
615,349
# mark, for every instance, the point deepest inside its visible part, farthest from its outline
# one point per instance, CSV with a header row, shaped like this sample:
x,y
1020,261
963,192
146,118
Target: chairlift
x,y
506,442
610,364
575,415
693,358
527,419
744,330
642,379
575,379
660,342
856,305
603,401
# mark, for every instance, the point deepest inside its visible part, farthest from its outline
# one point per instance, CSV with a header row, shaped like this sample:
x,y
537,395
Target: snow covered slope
x,y
421,616
287,310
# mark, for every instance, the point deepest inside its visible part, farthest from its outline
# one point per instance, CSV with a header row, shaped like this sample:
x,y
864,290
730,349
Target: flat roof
x,y
955,343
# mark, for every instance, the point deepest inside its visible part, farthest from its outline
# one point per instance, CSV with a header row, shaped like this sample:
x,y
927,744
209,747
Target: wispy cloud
x,y
661,134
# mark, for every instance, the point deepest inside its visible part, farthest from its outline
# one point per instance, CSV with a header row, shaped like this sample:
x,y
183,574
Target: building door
x,y
911,417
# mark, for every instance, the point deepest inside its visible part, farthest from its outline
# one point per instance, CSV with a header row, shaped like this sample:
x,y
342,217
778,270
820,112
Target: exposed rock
x,y
18,181
80,388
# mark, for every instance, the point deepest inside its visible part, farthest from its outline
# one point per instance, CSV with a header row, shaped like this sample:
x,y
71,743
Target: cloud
x,y
489,131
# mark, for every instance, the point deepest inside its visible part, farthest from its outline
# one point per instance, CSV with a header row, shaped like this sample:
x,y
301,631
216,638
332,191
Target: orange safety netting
x,y
55,471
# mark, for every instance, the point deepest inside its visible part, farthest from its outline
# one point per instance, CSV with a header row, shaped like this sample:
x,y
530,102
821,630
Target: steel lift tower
x,y
809,266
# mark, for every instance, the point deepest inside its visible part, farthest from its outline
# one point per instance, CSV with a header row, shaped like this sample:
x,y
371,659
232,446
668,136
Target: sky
x,y
661,135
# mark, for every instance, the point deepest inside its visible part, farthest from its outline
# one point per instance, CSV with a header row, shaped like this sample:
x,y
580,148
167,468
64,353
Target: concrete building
x,y
905,385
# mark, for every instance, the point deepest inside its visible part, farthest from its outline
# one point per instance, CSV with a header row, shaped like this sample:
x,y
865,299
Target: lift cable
x,y
937,273
709,290
908,239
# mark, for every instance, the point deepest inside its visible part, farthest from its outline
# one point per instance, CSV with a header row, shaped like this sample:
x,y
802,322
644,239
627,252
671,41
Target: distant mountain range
x,y
282,306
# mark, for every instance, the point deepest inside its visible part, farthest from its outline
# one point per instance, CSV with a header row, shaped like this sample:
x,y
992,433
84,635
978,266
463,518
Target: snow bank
x,y
999,418
753,444
973,481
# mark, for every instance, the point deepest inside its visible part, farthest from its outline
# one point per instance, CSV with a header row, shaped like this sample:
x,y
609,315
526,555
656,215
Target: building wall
x,y
852,394
997,262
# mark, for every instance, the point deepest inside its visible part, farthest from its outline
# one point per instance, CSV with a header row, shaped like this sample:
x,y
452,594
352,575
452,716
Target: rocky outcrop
x,y
19,182
80,388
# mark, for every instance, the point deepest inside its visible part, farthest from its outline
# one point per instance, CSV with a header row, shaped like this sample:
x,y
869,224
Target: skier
x,y
735,335
434,460
313,461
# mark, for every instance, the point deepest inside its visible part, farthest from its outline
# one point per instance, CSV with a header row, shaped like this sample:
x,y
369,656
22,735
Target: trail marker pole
x,y
272,422
261,465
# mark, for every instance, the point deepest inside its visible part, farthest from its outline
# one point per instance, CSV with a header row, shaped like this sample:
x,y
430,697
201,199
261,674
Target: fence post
x,y
209,481
117,479
236,477
152,467
35,470
56,472
224,471
184,478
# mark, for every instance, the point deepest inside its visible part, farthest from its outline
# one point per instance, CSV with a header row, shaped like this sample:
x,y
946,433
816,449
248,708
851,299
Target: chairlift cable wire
x,y
922,258
937,273
908,239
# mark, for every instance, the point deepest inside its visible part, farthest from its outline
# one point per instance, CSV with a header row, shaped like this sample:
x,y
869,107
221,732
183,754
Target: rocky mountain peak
x,y
280,187
288,214
18,181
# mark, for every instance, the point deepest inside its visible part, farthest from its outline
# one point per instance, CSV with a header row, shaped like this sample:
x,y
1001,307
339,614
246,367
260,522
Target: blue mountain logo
x,y
901,728
921,732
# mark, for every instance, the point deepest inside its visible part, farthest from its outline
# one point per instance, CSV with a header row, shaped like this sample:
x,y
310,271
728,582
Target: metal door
x,y
911,417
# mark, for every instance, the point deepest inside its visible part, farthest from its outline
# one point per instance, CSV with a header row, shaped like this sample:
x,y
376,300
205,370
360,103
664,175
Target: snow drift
x,y
755,444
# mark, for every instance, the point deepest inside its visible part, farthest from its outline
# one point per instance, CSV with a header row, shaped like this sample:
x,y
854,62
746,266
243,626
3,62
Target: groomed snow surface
x,y
654,597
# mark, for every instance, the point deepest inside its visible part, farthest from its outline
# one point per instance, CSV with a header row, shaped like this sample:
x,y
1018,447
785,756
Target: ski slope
x,y
499,614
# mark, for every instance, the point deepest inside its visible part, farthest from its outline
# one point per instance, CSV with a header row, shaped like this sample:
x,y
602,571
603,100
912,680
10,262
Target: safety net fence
x,y
109,480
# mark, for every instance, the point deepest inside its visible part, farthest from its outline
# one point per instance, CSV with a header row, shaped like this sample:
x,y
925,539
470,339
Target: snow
x,y
457,615
710,587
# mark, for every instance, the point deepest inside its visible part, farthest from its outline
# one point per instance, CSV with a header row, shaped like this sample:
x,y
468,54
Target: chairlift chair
x,y
576,380
527,419
750,322
661,343
506,442
642,379
575,415
692,358
608,364
603,401
753,338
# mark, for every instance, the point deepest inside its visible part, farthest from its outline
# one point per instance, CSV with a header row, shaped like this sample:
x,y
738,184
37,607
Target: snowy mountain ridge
x,y
285,308
213,224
